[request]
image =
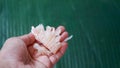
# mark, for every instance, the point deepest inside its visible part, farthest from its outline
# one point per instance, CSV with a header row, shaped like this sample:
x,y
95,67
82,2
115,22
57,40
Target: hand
x,y
18,52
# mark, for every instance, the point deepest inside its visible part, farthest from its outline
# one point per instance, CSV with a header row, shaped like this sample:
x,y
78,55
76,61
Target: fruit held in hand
x,y
49,39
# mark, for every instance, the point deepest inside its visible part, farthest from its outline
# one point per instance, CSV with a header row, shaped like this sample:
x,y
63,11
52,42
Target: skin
x,y
18,52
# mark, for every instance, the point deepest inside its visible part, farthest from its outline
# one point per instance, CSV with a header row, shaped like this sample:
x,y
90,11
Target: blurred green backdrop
x,y
95,25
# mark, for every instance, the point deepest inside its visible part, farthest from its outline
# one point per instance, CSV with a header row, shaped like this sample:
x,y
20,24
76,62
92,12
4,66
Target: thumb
x,y
28,38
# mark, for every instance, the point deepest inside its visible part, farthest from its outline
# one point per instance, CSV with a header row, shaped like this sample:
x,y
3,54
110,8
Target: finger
x,y
53,59
64,36
62,50
28,38
45,60
62,29
60,53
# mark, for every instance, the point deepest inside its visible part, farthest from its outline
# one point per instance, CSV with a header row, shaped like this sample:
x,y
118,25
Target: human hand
x,y
18,52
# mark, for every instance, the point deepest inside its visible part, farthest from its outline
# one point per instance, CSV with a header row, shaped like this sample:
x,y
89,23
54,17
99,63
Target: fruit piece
x,y
50,39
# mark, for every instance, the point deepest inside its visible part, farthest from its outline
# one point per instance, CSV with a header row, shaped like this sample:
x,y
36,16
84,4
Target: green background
x,y
94,24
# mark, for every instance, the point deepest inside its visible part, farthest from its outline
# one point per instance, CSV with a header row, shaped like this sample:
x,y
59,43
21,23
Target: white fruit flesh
x,y
50,38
